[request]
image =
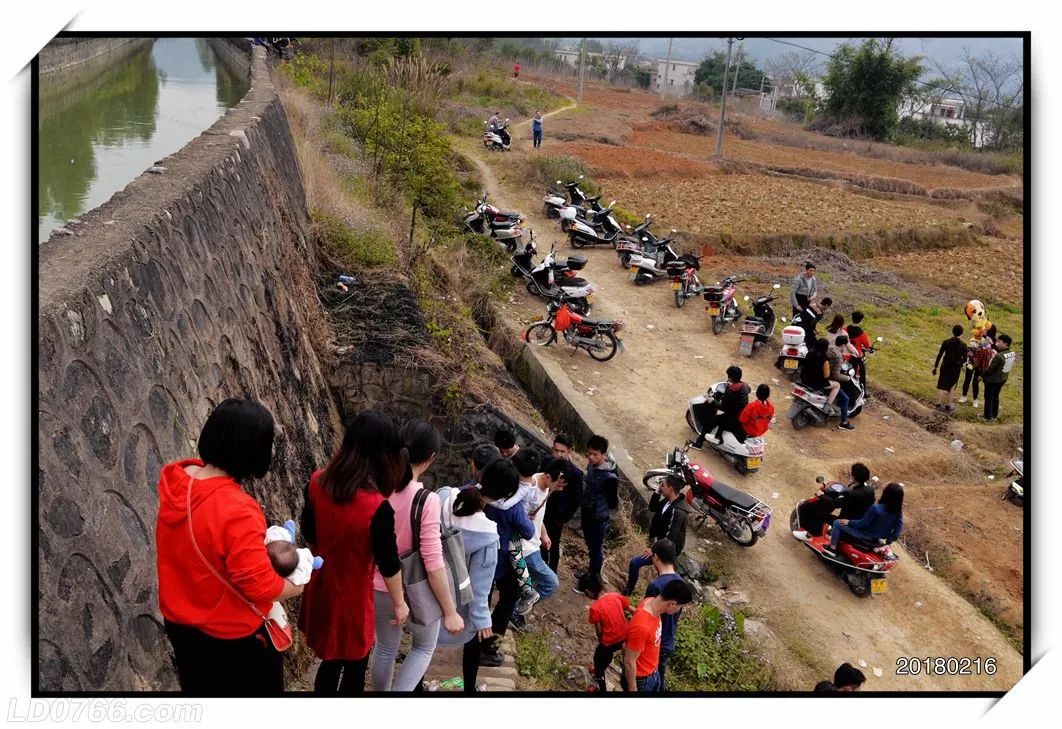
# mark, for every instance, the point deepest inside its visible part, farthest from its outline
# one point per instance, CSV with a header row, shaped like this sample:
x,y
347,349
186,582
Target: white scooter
x,y
746,457
1015,492
497,138
809,405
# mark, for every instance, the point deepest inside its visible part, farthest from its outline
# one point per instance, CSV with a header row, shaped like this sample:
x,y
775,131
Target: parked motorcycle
x,y
639,240
497,138
759,327
794,350
746,457
597,337
862,565
809,404
573,202
1015,492
502,225
722,307
644,268
604,230
552,278
742,517
684,281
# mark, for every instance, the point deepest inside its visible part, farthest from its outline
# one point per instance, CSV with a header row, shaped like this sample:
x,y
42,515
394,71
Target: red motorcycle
x,y
741,516
721,304
862,565
597,337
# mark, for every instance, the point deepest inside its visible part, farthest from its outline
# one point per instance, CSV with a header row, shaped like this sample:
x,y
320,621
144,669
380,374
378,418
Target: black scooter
x,y
759,327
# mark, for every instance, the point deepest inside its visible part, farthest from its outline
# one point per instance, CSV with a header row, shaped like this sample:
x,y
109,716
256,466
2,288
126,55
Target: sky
x,y
946,51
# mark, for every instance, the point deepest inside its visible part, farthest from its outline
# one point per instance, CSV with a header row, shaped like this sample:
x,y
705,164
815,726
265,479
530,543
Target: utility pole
x,y
737,66
582,54
667,67
759,101
722,103
331,70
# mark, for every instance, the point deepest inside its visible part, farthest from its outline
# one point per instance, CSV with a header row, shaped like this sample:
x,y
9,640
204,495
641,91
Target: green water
x,y
98,136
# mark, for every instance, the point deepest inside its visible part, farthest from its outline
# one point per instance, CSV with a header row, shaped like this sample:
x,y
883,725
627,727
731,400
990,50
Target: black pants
x,y
802,303
603,655
551,556
973,374
208,666
508,595
341,678
594,531
722,421
992,390
469,667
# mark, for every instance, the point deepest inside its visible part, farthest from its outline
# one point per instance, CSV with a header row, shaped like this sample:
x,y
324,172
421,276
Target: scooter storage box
x,y
676,268
715,293
567,213
576,262
793,336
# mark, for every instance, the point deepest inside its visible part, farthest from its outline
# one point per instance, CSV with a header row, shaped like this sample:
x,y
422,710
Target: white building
x,y
572,59
674,78
944,110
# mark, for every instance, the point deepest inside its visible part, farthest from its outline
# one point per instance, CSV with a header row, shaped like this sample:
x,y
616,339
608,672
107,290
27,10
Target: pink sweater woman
x,y
422,441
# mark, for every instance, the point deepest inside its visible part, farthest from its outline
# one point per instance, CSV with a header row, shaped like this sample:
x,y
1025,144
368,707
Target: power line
x,y
923,83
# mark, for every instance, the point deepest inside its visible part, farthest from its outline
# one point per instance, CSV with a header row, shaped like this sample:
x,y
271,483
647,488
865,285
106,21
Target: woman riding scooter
x,y
853,501
883,520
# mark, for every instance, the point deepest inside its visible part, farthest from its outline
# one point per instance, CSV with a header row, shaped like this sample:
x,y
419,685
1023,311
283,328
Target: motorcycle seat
x,y
594,322
509,213
592,200
732,495
573,282
860,544
754,320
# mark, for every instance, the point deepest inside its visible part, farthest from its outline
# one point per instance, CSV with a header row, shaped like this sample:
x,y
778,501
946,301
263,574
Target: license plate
x,y
754,462
790,364
590,298
878,587
713,309
676,286
633,274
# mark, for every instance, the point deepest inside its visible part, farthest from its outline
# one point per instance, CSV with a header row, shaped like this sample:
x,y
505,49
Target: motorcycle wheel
x,y
541,335
603,347
794,520
680,298
515,272
717,324
855,411
689,420
579,306
653,481
575,241
532,287
742,534
801,420
625,260
859,584
741,465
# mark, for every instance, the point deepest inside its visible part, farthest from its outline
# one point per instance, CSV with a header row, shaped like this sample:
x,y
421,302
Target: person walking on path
x,y
210,539
516,70
950,357
600,499
347,520
805,286
562,506
536,129
996,376
422,441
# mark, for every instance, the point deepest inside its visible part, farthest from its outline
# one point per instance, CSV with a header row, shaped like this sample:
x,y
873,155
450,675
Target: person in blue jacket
x,y
883,520
536,129
512,520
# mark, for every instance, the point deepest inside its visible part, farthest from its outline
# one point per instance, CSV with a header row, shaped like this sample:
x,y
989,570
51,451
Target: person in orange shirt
x,y
641,655
608,615
758,414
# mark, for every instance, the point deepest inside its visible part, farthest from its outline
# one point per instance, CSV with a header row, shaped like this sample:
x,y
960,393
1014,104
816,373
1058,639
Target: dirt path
x,y
671,355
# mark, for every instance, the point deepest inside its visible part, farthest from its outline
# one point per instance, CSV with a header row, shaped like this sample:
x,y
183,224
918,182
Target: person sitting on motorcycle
x,y
809,318
853,503
733,400
835,331
494,122
860,340
757,416
883,520
816,374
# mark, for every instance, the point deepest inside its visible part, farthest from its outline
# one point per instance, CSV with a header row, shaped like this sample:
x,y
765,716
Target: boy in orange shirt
x,y
641,655
608,615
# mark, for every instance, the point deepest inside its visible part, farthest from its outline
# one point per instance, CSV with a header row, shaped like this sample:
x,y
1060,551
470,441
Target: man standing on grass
x,y
641,653
600,499
664,556
996,376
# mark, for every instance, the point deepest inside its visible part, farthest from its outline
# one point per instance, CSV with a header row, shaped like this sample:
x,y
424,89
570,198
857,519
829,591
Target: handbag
x,y
424,609
453,548
279,635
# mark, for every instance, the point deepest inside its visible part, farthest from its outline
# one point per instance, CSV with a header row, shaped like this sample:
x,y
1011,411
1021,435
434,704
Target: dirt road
x,y
671,355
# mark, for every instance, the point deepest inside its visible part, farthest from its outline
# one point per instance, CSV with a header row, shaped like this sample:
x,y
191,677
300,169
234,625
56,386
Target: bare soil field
x,y
607,161
763,204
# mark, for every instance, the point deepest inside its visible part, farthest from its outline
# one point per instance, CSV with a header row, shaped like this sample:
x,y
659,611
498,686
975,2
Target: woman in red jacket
x,y
348,521
757,416
220,646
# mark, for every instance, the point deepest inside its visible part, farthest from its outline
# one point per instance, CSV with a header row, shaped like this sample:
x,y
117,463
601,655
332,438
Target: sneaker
x,y
693,444
800,534
845,426
518,623
490,659
962,400
524,605
827,549
975,404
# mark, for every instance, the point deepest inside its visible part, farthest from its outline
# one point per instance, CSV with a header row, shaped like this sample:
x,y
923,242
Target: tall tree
x,y
992,90
710,73
866,84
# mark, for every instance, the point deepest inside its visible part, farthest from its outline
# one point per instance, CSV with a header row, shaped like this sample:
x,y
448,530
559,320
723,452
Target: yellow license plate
x,y
878,587
590,299
790,364
634,270
676,286
754,462
713,309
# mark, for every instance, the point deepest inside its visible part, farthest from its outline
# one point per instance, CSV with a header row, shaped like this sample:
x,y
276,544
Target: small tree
x,y
865,85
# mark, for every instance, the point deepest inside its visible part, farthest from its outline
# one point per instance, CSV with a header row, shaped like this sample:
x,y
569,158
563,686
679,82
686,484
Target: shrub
x,y
713,654
547,169
536,660
370,247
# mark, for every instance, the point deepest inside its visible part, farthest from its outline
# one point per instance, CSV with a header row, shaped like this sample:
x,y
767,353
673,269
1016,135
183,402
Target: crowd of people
x,y
985,358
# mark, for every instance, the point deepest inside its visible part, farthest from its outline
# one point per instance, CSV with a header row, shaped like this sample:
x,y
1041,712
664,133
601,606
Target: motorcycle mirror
x,y
820,479
778,286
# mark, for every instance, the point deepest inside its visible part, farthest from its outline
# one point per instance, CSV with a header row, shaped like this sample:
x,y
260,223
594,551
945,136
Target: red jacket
x,y
861,340
337,613
756,417
230,531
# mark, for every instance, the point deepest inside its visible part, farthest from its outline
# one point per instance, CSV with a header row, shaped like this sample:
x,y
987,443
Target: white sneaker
x,y
800,534
962,400
976,404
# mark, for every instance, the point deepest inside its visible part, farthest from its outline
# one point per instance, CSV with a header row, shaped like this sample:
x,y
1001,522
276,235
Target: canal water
x,y
95,138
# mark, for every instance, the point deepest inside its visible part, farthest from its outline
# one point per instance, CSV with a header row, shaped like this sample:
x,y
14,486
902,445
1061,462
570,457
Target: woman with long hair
x,y
883,520
348,521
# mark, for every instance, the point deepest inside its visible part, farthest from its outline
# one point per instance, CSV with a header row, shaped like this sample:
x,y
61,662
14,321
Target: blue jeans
x,y
546,581
838,529
842,403
538,138
645,685
594,531
637,562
